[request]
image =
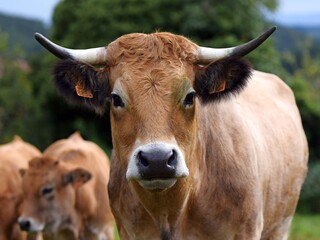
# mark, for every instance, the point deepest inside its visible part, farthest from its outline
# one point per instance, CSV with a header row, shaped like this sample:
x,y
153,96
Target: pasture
x,y
305,227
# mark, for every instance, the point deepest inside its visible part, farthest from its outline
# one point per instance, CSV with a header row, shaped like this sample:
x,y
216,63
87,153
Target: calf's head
x,y
49,195
154,83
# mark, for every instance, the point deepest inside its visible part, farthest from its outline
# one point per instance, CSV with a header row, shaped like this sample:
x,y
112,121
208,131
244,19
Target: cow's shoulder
x,y
266,86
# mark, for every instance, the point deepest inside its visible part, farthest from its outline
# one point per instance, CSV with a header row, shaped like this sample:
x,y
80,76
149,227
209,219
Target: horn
x,y
91,55
208,55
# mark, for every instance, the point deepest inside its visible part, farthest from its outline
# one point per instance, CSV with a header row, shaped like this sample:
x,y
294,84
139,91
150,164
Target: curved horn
x,y
207,55
91,55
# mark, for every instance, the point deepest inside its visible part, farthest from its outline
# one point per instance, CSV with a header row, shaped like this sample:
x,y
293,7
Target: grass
x,y
305,227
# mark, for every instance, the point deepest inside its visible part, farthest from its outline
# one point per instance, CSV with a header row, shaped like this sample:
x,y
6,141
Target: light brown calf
x,y
66,189
204,146
13,156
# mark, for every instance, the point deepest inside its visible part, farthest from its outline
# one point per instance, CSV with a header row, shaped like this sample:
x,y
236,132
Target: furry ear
x,y
82,83
77,177
222,78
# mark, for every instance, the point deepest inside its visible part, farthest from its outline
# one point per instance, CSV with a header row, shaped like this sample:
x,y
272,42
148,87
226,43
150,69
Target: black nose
x,y
157,163
24,224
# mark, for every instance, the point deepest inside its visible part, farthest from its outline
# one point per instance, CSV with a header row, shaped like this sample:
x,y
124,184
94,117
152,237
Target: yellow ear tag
x,y
221,88
81,92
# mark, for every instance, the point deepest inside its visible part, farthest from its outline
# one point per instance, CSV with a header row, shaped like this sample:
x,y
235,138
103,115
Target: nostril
x,y
24,225
172,161
143,159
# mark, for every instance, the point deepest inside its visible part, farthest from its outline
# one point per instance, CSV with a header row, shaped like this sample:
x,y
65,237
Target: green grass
x,y
116,233
305,227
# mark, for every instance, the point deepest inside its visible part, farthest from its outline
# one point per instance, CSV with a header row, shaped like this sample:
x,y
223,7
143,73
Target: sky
x,y
298,12
290,12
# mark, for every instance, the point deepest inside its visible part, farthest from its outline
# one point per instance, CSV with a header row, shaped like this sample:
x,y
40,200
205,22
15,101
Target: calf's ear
x,y
221,79
77,177
82,83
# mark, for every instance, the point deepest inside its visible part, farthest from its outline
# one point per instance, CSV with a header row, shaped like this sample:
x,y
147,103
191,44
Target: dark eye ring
x,y
116,100
189,99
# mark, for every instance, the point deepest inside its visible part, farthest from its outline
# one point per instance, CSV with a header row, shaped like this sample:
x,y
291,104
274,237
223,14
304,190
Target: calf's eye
x,y
47,191
116,100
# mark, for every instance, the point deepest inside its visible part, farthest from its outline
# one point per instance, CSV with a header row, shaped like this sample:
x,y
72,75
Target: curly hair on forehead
x,y
151,47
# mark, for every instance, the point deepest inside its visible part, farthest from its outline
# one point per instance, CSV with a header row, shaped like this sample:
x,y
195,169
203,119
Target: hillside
x,y
294,39
20,32
313,31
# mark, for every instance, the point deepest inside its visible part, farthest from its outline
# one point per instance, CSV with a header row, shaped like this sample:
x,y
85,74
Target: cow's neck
x,y
166,207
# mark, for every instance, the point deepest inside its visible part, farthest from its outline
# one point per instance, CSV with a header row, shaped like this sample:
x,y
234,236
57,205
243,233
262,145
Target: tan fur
x,y
247,155
13,157
85,207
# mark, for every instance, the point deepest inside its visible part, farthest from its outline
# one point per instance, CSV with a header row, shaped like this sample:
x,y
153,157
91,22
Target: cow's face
x,y
154,85
153,115
49,195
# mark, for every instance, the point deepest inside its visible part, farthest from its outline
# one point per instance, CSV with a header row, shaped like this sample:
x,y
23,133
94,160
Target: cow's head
x,y
155,82
49,195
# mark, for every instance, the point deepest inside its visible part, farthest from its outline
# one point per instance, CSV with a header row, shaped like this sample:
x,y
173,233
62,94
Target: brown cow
x,y
13,156
66,188
204,147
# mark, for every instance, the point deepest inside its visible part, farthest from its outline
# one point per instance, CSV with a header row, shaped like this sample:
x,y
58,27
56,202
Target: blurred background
x,y
31,108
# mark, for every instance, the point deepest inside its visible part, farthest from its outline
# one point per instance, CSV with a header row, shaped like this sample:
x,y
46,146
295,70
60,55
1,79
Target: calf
x,y
13,156
66,189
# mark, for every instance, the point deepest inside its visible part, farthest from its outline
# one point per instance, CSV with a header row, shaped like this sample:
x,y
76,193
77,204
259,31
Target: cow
x,y
13,156
65,189
204,147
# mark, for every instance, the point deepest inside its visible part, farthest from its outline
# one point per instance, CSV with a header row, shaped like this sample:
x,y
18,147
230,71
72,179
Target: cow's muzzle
x,y
157,165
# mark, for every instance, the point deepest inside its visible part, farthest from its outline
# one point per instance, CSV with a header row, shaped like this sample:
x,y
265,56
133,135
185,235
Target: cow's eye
x,y
47,191
189,99
116,100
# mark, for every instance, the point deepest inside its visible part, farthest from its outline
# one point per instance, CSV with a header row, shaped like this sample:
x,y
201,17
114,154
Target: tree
x,y
14,106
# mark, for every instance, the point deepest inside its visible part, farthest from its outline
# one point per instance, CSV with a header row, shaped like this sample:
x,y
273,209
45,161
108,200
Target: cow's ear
x,y
222,78
82,83
77,177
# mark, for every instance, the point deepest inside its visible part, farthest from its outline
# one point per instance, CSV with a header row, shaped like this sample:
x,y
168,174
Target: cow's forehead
x,y
145,63
141,48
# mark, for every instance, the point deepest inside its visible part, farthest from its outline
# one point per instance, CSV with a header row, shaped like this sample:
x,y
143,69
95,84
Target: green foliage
x,y
15,100
310,194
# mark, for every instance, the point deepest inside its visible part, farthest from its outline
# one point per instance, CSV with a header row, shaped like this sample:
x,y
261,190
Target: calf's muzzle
x,y
24,224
